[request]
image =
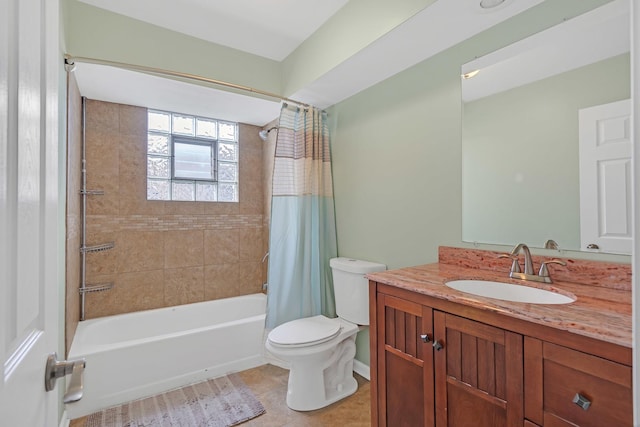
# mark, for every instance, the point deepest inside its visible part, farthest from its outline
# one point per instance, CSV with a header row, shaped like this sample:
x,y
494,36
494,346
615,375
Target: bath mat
x,y
219,402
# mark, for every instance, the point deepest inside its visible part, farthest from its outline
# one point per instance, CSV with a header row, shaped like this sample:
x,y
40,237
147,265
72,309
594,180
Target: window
x,y
191,158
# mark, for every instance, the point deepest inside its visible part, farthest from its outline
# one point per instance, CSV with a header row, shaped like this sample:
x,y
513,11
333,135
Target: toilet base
x,y
322,374
325,378
349,387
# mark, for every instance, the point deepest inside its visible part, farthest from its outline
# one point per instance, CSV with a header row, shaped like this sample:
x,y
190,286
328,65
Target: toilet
x,y
320,350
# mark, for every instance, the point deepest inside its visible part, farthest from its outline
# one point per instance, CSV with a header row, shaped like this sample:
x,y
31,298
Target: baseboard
x,y
361,369
64,420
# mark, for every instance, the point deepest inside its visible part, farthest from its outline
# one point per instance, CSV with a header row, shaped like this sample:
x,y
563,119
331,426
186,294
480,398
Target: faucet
x,y
528,264
516,272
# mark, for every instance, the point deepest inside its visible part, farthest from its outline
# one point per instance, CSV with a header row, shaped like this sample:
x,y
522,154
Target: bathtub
x,y
140,354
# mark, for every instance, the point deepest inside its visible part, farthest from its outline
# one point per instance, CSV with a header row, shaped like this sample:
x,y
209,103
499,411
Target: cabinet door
x,y
405,363
478,374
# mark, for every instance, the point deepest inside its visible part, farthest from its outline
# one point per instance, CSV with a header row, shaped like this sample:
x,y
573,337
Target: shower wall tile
x,y
105,303
140,251
183,248
250,197
251,164
184,208
250,244
132,178
250,277
133,120
166,253
221,208
141,290
268,159
221,281
102,116
183,285
102,166
221,246
105,262
133,158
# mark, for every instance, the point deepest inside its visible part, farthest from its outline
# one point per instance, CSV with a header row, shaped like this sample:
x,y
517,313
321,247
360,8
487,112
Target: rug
x,y
219,402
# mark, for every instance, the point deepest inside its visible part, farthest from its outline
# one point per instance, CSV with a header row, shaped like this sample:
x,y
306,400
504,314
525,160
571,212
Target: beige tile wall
x,y
269,153
166,253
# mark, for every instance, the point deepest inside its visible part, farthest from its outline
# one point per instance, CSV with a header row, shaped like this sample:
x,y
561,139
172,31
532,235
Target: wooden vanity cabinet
x,y
437,365
428,360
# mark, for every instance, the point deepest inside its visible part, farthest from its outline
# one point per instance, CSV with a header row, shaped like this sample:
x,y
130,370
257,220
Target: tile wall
x,y
166,253
269,154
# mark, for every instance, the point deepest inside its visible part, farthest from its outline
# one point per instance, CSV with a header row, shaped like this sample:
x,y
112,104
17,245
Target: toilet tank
x,y
351,288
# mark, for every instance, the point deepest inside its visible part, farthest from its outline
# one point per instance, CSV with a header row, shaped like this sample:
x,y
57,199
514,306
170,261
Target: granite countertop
x,y
599,312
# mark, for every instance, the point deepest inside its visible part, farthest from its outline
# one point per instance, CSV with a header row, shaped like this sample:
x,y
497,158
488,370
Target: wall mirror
x,y
521,139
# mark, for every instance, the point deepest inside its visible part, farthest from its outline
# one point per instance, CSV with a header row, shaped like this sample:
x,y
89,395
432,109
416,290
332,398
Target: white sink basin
x,y
509,292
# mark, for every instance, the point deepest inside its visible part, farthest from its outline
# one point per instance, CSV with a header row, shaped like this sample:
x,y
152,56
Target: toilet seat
x,y
305,332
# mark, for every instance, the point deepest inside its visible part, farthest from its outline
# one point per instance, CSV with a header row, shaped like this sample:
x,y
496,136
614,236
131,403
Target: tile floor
x,y
269,384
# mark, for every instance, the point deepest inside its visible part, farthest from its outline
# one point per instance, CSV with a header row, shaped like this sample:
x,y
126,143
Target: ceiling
x,y
273,31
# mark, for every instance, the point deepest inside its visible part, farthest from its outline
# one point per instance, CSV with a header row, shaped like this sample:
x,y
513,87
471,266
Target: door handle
x,y
59,368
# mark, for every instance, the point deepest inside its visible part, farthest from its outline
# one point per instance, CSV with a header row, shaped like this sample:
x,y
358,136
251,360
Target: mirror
x,y
520,135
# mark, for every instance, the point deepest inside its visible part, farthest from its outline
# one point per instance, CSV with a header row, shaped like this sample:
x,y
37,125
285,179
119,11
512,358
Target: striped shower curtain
x,y
302,235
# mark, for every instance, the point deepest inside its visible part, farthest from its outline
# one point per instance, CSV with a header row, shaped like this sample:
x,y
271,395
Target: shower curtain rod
x,y
70,60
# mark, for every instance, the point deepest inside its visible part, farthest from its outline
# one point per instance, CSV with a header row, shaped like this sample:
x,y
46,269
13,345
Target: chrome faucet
x,y
528,264
516,272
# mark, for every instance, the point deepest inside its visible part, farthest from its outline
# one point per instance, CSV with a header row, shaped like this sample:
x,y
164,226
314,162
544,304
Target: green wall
x,y
397,152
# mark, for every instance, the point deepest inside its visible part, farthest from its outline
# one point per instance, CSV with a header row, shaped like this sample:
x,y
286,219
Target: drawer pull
x,y
581,401
437,345
425,337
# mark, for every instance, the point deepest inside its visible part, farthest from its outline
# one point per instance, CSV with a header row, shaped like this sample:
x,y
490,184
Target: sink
x,y
509,292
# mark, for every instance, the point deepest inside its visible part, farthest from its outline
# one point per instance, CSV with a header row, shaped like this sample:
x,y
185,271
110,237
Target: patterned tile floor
x,y
269,384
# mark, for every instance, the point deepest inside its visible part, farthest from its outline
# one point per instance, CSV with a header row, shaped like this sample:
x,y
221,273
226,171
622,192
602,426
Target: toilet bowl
x,y
320,350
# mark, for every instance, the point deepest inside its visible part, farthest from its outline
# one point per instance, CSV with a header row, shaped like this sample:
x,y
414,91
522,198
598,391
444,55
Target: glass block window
x,y
191,158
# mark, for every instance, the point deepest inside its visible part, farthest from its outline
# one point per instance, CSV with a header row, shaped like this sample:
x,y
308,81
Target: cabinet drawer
x,y
605,384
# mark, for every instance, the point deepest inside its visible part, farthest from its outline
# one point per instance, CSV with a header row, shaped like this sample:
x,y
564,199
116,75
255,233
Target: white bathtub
x,y
140,354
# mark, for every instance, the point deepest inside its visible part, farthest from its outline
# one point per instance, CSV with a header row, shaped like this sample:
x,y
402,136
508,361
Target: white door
x,y
29,286
605,177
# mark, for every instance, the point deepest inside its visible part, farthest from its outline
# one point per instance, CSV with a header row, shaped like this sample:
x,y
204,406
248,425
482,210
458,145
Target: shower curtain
x,y
302,235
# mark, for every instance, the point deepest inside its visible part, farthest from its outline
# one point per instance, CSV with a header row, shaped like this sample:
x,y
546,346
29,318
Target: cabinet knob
x,y
437,345
425,337
581,401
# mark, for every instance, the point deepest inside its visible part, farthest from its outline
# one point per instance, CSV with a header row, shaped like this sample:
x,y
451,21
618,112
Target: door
x,y
29,250
605,177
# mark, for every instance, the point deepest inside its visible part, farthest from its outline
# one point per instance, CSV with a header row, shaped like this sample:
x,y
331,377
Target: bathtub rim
x,y
87,349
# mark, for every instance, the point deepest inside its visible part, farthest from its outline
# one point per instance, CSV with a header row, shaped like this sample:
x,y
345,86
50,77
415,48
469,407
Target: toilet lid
x,y
310,330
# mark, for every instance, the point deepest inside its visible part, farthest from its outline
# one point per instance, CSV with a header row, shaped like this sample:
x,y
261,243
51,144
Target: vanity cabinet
x,y
439,363
437,369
